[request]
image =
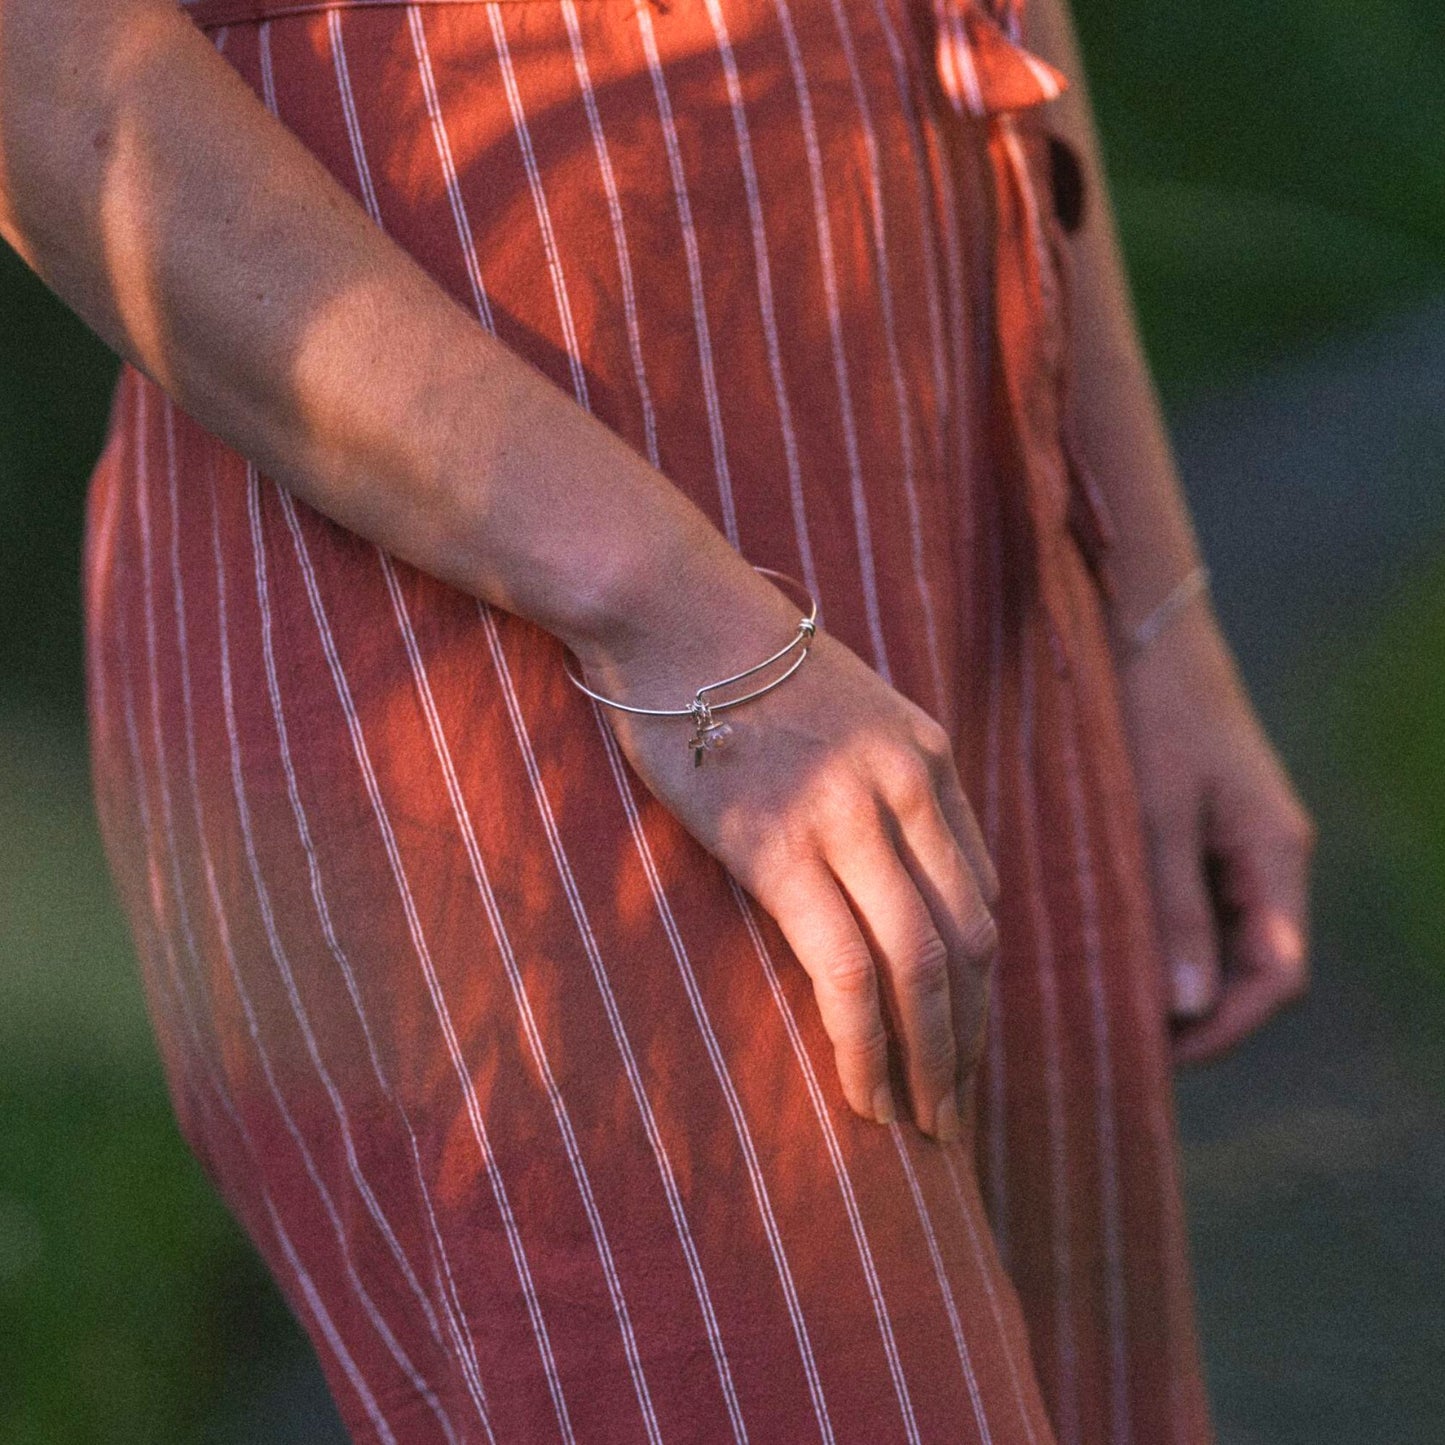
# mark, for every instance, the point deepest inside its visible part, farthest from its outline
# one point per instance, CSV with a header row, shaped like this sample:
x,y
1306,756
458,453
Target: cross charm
x,y
707,735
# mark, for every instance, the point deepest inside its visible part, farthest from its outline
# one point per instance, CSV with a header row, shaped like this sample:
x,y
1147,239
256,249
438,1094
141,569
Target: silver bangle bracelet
x,y
707,734
1194,582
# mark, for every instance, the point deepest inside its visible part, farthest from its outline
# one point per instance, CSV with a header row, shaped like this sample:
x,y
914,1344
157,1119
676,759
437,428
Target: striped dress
x,y
524,1101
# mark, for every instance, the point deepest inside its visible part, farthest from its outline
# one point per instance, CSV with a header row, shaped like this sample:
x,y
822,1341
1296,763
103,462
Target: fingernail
x,y
946,1122
883,1109
1191,991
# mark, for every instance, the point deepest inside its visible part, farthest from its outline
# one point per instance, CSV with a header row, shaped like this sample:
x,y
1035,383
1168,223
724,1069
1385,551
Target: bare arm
x,y
145,182
1230,841
1119,421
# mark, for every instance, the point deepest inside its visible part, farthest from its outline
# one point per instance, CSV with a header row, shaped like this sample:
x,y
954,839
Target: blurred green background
x,y
1280,177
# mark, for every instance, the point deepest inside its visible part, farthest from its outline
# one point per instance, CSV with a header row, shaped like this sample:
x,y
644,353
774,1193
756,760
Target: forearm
x,y
1118,421
142,179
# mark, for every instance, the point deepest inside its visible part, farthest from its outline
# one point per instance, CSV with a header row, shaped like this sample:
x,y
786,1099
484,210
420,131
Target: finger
x,y
959,815
963,914
1188,928
1264,886
1252,996
915,965
814,917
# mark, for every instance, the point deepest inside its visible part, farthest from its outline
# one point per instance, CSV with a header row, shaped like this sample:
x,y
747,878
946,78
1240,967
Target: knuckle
x,y
934,741
980,934
925,970
769,863
846,803
990,889
850,975
906,779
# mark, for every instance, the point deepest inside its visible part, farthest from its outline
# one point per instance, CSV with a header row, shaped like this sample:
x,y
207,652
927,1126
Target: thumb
x,y
1186,919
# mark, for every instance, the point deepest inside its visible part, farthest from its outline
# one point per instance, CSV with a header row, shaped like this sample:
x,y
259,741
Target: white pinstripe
x,y
539,792
940,370
480,300
717,1058
835,332
694,274
922,179
423,951
465,1353
539,203
143,517
283,964
202,1052
308,1288
956,59
965,1360
997,1116
990,802
100,542
1174,1246
762,263
614,1017
890,339
835,1154
1068,1422
1121,1430
619,233
993,727
560,296
394,1347
435,991
457,1323
1013,1369
520,997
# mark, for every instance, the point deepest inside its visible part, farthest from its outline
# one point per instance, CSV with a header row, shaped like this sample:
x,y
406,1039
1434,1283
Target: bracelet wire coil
x,y
707,733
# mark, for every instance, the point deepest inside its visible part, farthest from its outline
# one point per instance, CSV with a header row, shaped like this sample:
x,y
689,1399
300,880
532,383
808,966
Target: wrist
x,y
691,610
1136,630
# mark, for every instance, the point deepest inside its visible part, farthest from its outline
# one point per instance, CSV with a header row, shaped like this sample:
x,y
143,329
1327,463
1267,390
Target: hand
x,y
834,790
1230,841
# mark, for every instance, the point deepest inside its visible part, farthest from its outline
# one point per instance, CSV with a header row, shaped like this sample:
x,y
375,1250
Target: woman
x,y
576,1077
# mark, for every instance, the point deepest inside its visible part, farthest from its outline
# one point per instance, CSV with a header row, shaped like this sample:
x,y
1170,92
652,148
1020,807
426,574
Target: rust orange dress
x,y
524,1101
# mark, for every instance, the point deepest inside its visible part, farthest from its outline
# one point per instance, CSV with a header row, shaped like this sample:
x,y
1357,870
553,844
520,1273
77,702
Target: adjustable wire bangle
x,y
708,735
1195,581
